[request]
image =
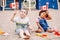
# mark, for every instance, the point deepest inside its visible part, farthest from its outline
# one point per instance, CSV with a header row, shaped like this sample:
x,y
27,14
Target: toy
x,y
0,30
44,35
41,35
3,33
57,33
38,34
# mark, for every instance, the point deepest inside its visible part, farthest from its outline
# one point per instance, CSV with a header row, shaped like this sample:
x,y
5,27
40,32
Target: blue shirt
x,y
43,23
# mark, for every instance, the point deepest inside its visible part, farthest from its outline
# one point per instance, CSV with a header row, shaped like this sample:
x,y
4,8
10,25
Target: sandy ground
x,y
9,26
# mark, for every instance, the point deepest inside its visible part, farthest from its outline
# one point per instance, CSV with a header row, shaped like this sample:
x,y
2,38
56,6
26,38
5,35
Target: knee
x,y
38,31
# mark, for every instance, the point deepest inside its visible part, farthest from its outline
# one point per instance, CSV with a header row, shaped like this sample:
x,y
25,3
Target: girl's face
x,y
23,14
43,15
47,12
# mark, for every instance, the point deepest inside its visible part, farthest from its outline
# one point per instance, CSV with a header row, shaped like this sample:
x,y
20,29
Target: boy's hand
x,y
14,14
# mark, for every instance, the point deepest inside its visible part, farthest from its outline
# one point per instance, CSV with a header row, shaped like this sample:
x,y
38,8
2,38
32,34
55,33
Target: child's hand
x,y
30,28
14,14
42,30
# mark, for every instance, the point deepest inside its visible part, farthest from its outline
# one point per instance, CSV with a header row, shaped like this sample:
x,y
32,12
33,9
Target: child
x,y
22,23
47,16
42,23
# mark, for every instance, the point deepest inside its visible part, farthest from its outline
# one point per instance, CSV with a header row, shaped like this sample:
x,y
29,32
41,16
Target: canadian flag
x,y
13,5
45,7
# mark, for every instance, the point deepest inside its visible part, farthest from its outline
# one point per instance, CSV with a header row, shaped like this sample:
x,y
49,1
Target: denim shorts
x,y
18,30
21,26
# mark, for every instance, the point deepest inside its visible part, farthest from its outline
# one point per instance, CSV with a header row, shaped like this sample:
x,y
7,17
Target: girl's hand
x,y
41,29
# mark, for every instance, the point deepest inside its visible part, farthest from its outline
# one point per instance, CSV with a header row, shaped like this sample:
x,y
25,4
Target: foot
x,y
38,31
27,37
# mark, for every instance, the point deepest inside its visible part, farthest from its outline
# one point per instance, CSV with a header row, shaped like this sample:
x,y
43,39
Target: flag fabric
x,y
45,7
41,4
13,5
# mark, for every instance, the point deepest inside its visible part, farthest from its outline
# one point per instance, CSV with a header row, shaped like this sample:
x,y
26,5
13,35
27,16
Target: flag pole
x,y
3,5
15,11
29,5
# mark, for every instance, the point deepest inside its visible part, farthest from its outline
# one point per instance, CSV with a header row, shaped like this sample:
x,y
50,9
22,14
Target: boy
x,y
22,23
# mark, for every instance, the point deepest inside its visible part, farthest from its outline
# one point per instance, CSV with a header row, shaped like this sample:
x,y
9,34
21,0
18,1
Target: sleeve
x,y
37,20
15,19
28,22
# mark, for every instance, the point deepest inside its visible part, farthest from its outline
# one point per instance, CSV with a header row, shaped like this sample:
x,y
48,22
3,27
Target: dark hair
x,y
16,0
42,12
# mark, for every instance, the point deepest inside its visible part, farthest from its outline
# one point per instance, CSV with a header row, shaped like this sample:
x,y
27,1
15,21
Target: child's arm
x,y
39,26
30,27
13,17
48,17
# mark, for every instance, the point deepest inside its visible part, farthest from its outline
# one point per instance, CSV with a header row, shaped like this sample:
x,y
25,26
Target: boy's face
x,y
23,14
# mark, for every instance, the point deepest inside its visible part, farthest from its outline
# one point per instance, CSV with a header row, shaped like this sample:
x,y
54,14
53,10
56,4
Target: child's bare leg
x,y
22,33
38,31
27,33
50,31
19,35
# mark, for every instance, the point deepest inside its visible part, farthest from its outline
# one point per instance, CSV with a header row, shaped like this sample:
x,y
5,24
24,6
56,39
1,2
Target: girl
x,y
42,23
